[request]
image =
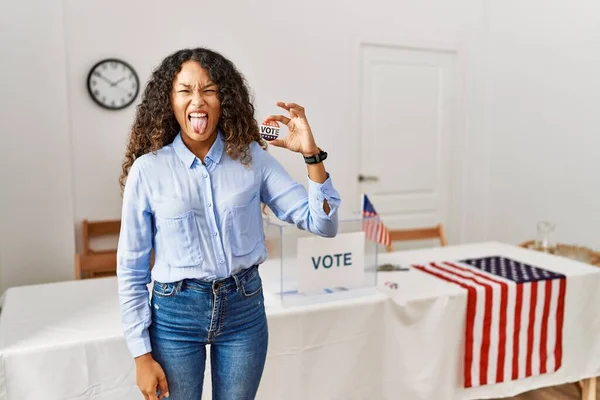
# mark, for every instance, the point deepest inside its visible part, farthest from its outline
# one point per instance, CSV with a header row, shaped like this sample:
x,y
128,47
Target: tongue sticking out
x,y
198,124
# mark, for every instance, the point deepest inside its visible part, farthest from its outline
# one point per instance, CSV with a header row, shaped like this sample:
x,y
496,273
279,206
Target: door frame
x,y
456,213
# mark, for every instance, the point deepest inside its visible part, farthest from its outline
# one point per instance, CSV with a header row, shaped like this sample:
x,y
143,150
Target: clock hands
x,y
112,84
117,82
98,74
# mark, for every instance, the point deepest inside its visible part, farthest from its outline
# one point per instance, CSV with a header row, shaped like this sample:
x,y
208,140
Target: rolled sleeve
x,y
290,201
321,192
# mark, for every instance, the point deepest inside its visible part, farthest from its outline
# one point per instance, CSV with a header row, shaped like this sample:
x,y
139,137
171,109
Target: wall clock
x,y
113,84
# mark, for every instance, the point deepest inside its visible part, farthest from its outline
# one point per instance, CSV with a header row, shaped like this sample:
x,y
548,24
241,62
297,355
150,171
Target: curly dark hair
x,y
155,125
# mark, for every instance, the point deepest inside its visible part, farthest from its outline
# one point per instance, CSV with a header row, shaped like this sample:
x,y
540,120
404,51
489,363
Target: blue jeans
x,y
228,314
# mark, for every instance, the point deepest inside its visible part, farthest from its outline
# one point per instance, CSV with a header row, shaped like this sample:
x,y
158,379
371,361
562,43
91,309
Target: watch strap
x,y
317,158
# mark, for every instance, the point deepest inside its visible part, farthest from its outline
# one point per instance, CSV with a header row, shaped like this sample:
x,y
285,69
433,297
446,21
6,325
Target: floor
x,y
562,392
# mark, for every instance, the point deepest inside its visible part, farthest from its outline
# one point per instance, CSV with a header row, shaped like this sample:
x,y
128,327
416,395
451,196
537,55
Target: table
x,y
431,313
64,340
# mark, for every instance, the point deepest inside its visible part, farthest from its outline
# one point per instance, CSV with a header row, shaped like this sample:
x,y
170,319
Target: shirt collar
x,y
216,150
188,158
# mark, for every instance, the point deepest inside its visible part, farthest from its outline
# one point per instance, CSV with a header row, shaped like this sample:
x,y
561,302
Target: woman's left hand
x,y
299,138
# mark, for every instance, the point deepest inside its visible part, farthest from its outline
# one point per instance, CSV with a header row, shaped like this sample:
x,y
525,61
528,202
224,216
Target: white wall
x,y
304,52
36,205
529,73
544,118
63,159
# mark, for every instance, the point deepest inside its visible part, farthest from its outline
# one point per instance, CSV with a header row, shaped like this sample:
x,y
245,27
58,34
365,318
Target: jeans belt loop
x,y
237,282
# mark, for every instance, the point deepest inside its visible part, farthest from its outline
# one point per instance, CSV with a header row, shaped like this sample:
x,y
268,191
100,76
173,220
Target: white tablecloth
x,y
64,340
426,323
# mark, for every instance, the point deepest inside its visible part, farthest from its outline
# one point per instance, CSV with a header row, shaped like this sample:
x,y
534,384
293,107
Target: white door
x,y
408,104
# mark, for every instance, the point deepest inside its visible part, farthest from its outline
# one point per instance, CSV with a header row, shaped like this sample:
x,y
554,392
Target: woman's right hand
x,y
150,377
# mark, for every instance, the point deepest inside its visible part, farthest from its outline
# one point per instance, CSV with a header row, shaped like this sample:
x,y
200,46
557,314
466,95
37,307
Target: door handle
x,y
363,178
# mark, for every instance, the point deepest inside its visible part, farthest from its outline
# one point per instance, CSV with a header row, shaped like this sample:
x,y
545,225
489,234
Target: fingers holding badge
x,y
299,138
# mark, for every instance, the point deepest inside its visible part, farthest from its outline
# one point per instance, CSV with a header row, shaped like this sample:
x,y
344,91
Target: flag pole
x,y
362,202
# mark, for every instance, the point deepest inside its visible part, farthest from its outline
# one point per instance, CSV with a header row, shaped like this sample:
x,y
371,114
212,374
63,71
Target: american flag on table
x,y
374,229
515,314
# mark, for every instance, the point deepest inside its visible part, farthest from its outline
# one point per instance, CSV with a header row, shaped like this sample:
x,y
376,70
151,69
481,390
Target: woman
x,y
196,172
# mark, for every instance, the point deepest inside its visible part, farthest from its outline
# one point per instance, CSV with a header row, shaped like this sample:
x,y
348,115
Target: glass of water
x,y
545,240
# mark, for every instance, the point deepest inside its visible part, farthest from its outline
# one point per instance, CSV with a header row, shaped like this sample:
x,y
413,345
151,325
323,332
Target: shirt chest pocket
x,y
180,239
245,226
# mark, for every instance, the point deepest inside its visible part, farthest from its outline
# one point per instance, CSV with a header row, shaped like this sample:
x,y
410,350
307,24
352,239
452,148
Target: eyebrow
x,y
188,86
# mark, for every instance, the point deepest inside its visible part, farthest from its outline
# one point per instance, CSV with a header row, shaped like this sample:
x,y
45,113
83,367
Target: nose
x,y
197,99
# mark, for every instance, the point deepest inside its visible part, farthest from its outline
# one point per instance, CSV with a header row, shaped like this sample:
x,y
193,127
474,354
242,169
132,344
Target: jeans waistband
x,y
233,282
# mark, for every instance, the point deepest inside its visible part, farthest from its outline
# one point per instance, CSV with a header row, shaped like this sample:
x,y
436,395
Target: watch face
x,y
113,84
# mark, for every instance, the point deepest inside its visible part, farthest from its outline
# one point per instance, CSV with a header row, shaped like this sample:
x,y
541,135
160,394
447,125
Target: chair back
x,y
435,232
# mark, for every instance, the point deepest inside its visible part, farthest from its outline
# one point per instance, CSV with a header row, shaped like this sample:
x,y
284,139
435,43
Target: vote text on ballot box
x,y
315,269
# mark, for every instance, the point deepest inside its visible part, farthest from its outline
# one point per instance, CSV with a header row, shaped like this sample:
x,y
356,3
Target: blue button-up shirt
x,y
204,221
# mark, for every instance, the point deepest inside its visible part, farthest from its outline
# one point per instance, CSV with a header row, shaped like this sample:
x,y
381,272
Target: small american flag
x,y
374,229
515,315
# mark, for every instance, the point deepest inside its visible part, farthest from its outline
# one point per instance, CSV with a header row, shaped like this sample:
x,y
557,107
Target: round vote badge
x,y
269,130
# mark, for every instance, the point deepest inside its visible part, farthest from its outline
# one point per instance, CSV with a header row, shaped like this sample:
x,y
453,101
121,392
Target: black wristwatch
x,y
317,158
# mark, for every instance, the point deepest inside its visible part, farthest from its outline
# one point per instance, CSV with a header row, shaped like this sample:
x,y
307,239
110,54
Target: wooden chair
x,y
90,263
436,232
95,229
95,265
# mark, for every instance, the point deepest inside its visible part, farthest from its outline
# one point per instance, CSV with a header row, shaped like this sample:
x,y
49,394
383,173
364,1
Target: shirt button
x,y
209,204
205,175
222,261
215,234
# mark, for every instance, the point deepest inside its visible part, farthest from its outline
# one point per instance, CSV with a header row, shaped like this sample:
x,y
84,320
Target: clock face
x,y
113,84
